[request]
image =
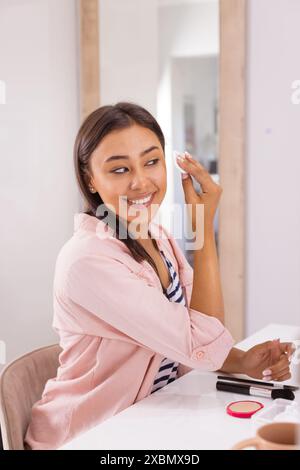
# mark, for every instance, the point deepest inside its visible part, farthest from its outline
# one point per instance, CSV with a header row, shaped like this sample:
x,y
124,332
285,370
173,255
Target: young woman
x,y
130,312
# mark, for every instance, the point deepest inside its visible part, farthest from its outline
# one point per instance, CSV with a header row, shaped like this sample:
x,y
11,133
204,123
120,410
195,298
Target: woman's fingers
x,y
198,171
191,196
281,368
288,348
211,192
285,375
282,378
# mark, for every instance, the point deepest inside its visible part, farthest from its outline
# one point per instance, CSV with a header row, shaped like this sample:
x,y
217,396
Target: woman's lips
x,y
141,206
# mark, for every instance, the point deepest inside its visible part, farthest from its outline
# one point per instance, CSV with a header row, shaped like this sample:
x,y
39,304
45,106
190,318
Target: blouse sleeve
x,y
111,292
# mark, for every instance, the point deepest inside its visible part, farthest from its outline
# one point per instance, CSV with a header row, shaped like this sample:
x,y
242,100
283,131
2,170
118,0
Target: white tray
x,y
279,410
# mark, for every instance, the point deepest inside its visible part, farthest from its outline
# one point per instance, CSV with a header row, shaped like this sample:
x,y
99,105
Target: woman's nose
x,y
140,181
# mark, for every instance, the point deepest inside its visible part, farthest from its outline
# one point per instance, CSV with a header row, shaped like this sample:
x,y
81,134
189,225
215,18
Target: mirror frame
x,y
232,223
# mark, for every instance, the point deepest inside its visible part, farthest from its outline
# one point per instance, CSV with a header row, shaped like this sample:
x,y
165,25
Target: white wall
x,y
273,164
128,52
38,123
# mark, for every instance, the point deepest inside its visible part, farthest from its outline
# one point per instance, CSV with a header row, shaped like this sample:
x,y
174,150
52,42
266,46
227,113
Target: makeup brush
x,y
257,382
245,389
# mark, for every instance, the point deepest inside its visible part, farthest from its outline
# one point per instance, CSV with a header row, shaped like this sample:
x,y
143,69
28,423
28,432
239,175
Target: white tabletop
x,y
188,413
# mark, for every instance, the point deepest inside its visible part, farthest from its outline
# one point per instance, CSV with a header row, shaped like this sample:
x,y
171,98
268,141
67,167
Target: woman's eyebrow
x,y
144,152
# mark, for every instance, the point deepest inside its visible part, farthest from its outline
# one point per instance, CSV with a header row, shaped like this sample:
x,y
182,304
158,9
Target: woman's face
x,y
128,166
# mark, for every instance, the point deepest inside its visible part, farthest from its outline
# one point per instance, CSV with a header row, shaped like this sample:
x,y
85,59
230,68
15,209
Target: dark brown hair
x,y
94,128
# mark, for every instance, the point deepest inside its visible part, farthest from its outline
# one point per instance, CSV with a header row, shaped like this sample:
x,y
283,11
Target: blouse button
x,y
200,354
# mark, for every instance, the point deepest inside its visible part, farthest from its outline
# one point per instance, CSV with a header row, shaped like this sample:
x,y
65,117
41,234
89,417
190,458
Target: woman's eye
x,y
155,160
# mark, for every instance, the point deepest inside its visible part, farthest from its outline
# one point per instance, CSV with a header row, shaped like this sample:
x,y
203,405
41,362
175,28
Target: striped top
x,y
168,368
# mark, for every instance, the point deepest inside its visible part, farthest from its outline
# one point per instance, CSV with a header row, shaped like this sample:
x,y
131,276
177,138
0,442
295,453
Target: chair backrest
x,y
21,385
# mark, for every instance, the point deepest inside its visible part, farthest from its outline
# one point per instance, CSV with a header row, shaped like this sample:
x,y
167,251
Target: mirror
x,y
172,70
183,60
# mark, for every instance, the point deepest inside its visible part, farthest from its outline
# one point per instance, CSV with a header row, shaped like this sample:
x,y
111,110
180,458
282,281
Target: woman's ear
x,y
91,186
89,181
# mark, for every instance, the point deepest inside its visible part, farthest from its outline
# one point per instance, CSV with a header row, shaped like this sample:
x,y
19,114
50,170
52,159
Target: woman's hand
x,y
268,361
211,191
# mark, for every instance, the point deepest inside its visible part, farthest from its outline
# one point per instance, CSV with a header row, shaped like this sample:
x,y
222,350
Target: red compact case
x,y
243,409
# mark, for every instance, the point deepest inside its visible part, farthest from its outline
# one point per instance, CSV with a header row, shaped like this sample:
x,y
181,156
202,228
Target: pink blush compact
x,y
243,409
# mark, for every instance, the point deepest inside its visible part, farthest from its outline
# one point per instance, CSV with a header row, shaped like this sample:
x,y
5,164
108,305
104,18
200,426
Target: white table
x,y
189,413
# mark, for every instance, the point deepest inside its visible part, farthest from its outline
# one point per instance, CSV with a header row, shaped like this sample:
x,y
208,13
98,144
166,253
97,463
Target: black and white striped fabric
x,y
168,368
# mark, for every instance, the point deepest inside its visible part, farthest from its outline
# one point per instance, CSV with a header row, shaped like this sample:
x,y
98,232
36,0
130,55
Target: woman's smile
x,y
141,202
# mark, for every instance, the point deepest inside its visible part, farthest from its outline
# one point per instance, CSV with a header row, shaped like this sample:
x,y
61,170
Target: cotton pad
x,y
175,153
